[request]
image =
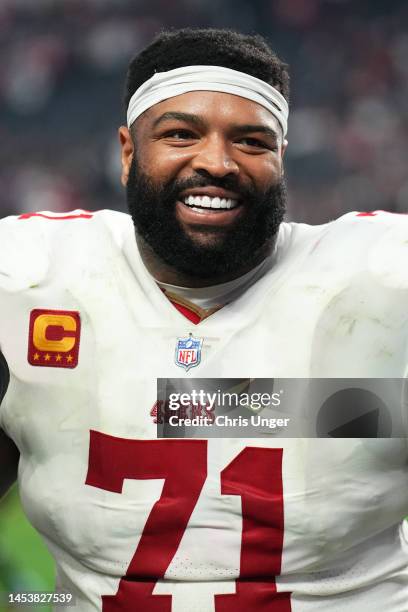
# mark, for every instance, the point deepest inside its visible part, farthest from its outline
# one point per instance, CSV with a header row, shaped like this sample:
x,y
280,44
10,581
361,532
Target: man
x,y
214,281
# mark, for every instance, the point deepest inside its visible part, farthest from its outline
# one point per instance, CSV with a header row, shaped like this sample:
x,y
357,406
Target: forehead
x,y
215,108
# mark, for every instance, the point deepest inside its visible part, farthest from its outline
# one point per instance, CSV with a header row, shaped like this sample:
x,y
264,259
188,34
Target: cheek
x,y
164,162
264,172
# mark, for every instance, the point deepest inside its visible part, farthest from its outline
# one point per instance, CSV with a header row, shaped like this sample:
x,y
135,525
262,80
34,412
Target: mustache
x,y
229,183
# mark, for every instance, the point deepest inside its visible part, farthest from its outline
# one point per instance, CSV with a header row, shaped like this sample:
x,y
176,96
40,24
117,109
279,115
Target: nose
x,y
214,157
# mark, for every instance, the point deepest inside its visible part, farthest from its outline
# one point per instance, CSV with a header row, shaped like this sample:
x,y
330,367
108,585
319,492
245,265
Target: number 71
x,y
255,475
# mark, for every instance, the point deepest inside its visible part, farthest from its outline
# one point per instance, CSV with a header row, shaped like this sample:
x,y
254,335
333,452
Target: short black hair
x,y
209,47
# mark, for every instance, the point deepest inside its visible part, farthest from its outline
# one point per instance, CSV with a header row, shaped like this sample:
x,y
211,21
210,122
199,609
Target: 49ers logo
x,y
53,339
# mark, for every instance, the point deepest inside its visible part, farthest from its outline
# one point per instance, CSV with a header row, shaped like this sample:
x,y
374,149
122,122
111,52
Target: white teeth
x,y
207,202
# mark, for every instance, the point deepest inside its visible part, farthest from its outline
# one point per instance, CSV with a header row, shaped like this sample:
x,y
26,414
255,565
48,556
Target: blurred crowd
x,y
61,87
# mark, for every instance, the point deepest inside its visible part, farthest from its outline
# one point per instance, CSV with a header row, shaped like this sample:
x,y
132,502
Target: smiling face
x,y
204,182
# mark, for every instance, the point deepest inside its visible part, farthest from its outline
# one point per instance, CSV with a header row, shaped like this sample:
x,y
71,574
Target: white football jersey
x,y
267,524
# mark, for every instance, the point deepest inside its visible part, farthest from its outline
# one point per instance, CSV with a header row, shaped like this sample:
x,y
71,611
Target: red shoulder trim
x,y
85,214
374,213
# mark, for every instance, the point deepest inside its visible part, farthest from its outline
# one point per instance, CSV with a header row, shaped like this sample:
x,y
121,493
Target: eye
x,y
179,134
255,143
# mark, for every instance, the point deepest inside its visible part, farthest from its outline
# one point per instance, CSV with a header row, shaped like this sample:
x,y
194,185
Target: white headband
x,y
163,85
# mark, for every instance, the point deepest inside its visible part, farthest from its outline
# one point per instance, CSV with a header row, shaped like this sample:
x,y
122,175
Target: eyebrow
x,y
248,128
187,117
200,123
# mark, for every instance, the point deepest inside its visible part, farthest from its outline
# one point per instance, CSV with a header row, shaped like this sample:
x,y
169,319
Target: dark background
x,y
61,82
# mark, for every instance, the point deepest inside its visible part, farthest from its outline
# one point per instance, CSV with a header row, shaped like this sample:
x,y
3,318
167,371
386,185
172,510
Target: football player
x,y
203,279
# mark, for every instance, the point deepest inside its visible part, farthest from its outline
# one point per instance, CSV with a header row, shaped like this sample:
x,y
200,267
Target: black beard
x,y
240,247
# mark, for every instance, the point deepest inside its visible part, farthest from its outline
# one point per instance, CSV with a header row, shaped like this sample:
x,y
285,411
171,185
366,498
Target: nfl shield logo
x,y
188,352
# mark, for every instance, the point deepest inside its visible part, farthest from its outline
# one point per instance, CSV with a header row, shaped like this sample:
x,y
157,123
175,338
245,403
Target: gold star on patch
x,y
36,357
47,357
69,358
58,358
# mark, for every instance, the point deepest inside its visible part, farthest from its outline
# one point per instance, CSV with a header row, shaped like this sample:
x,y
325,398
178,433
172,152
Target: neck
x,y
165,273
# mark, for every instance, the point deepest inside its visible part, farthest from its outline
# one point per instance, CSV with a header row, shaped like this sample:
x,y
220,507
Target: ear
x,y
127,152
283,150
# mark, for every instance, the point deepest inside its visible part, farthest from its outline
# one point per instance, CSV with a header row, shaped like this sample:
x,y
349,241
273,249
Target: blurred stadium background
x,y
61,83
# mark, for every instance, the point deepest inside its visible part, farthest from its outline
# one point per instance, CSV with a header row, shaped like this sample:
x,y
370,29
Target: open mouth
x,y
205,203
209,206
